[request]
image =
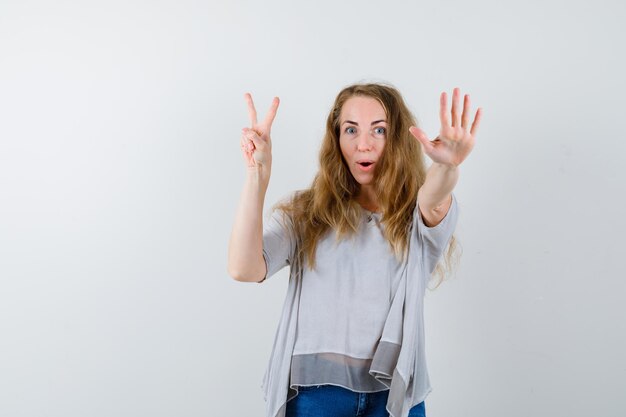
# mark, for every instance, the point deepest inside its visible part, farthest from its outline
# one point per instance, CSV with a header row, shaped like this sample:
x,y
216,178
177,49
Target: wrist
x,y
259,175
445,167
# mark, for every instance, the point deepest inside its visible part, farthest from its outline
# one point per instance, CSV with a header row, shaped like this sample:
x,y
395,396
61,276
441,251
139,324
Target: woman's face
x,y
362,134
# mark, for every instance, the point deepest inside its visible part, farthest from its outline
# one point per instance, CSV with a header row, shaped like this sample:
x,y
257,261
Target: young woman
x,y
362,243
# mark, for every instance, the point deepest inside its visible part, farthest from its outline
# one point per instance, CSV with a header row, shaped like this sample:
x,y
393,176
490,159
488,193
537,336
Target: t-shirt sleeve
x,y
436,238
278,243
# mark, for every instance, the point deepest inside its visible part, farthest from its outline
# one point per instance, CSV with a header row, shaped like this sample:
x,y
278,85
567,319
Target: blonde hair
x,y
399,173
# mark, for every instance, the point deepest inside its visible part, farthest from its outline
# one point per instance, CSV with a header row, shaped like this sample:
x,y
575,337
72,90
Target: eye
x,y
380,130
349,130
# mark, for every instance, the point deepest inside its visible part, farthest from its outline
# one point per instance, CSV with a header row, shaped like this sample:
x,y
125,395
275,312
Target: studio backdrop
x,y
120,173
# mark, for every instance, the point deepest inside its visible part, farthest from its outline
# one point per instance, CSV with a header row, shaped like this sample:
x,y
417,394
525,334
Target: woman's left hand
x,y
456,138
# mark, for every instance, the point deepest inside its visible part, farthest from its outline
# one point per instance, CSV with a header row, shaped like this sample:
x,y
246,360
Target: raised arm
x,y
245,249
447,151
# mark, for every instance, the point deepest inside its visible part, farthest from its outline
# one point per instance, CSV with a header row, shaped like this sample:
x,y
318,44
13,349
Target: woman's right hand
x,y
256,144
245,249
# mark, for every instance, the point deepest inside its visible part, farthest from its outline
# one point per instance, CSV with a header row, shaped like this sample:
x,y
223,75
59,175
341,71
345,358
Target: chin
x,y
365,181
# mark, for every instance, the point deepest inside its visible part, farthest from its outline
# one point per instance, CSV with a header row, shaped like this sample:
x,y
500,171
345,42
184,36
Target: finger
x,y
465,118
251,109
248,136
245,149
246,152
443,110
271,114
479,115
254,138
456,116
246,144
422,138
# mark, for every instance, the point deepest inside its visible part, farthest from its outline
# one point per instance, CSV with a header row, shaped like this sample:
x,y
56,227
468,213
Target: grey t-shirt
x,y
343,323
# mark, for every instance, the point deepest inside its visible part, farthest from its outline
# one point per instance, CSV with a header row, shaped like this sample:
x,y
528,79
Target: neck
x,y
367,199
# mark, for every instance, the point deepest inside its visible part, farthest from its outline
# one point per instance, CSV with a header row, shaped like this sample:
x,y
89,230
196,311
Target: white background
x,y
120,171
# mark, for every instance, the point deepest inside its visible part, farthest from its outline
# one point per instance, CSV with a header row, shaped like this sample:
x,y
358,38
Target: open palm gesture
x,y
456,137
256,143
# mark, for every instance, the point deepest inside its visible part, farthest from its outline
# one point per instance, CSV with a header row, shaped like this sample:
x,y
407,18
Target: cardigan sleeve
x,y
436,238
278,243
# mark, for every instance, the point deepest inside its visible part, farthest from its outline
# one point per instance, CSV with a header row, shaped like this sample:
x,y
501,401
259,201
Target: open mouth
x,y
365,166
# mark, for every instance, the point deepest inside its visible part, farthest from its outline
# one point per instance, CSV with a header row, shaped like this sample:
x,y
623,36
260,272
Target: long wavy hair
x,y
330,202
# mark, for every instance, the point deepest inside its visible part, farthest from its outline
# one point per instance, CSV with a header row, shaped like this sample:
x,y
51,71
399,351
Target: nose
x,y
364,141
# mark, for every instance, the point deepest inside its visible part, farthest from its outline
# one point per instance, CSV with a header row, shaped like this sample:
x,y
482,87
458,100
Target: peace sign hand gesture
x,y
456,138
256,144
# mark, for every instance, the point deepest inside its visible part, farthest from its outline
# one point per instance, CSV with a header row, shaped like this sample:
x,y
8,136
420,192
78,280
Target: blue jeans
x,y
335,401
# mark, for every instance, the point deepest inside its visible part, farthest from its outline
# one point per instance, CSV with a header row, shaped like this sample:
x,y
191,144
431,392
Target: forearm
x,y
440,181
245,249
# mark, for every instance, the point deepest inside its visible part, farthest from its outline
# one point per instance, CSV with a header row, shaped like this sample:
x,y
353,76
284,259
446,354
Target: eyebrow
x,y
356,124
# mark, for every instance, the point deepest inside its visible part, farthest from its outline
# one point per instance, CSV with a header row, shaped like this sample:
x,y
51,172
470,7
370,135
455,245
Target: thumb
x,y
421,137
253,137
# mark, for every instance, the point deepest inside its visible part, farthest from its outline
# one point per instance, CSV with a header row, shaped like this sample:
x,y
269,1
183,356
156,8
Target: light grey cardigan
x,y
403,371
